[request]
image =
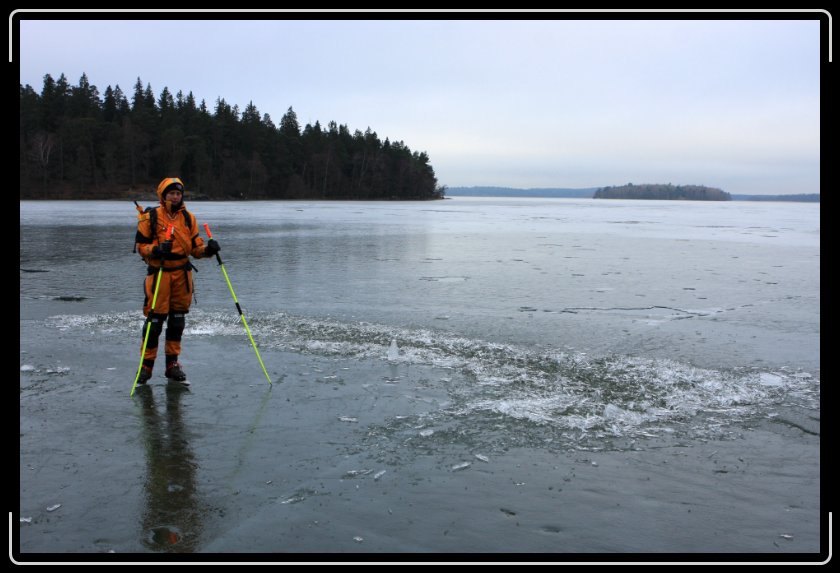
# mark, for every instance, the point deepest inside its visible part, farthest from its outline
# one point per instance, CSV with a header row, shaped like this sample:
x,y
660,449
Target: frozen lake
x,y
597,333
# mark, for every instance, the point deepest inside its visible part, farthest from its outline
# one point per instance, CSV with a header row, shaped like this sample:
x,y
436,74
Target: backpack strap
x,y
189,218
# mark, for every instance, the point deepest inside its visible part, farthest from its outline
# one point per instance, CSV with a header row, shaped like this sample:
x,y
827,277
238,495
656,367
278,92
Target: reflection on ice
x,y
393,350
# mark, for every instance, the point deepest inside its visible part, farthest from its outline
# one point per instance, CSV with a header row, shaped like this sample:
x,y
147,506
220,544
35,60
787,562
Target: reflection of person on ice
x,y
172,517
175,288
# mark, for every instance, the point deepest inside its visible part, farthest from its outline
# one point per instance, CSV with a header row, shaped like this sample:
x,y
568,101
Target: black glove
x,y
212,248
162,250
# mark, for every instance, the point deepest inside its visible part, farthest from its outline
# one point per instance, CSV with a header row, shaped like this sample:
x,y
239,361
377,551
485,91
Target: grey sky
x,y
538,103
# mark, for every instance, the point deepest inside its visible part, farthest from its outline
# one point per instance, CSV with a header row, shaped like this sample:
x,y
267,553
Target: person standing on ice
x,y
176,285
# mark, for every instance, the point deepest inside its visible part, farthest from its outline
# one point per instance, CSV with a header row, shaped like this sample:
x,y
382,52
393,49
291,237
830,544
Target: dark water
x,y
462,376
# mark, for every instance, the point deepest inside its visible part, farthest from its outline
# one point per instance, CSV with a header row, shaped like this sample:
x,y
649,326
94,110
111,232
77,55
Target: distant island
x,y
589,193
663,192
76,143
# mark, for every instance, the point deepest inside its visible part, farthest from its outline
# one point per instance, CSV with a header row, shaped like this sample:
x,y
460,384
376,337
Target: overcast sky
x,y
538,103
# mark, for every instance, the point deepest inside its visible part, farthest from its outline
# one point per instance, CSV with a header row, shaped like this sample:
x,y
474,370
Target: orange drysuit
x,y
176,286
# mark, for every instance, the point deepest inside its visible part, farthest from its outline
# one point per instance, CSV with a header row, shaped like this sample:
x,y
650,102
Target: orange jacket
x,y
185,239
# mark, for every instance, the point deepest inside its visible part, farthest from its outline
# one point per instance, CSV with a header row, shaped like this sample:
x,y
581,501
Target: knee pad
x,y
175,325
154,332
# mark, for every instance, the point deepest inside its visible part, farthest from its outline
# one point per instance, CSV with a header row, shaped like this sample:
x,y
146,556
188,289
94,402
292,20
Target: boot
x,y
145,374
174,372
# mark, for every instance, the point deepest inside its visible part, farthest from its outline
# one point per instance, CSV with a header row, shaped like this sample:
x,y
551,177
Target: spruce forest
x,y
76,144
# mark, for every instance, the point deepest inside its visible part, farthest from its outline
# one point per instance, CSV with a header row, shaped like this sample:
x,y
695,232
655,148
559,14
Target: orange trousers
x,y
173,302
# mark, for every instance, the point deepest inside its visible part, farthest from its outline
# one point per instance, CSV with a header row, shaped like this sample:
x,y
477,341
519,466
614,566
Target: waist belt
x,y
186,267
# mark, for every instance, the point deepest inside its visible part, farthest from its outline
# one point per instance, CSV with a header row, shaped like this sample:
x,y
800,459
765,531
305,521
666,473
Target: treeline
x,y
514,192
76,144
801,197
660,191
